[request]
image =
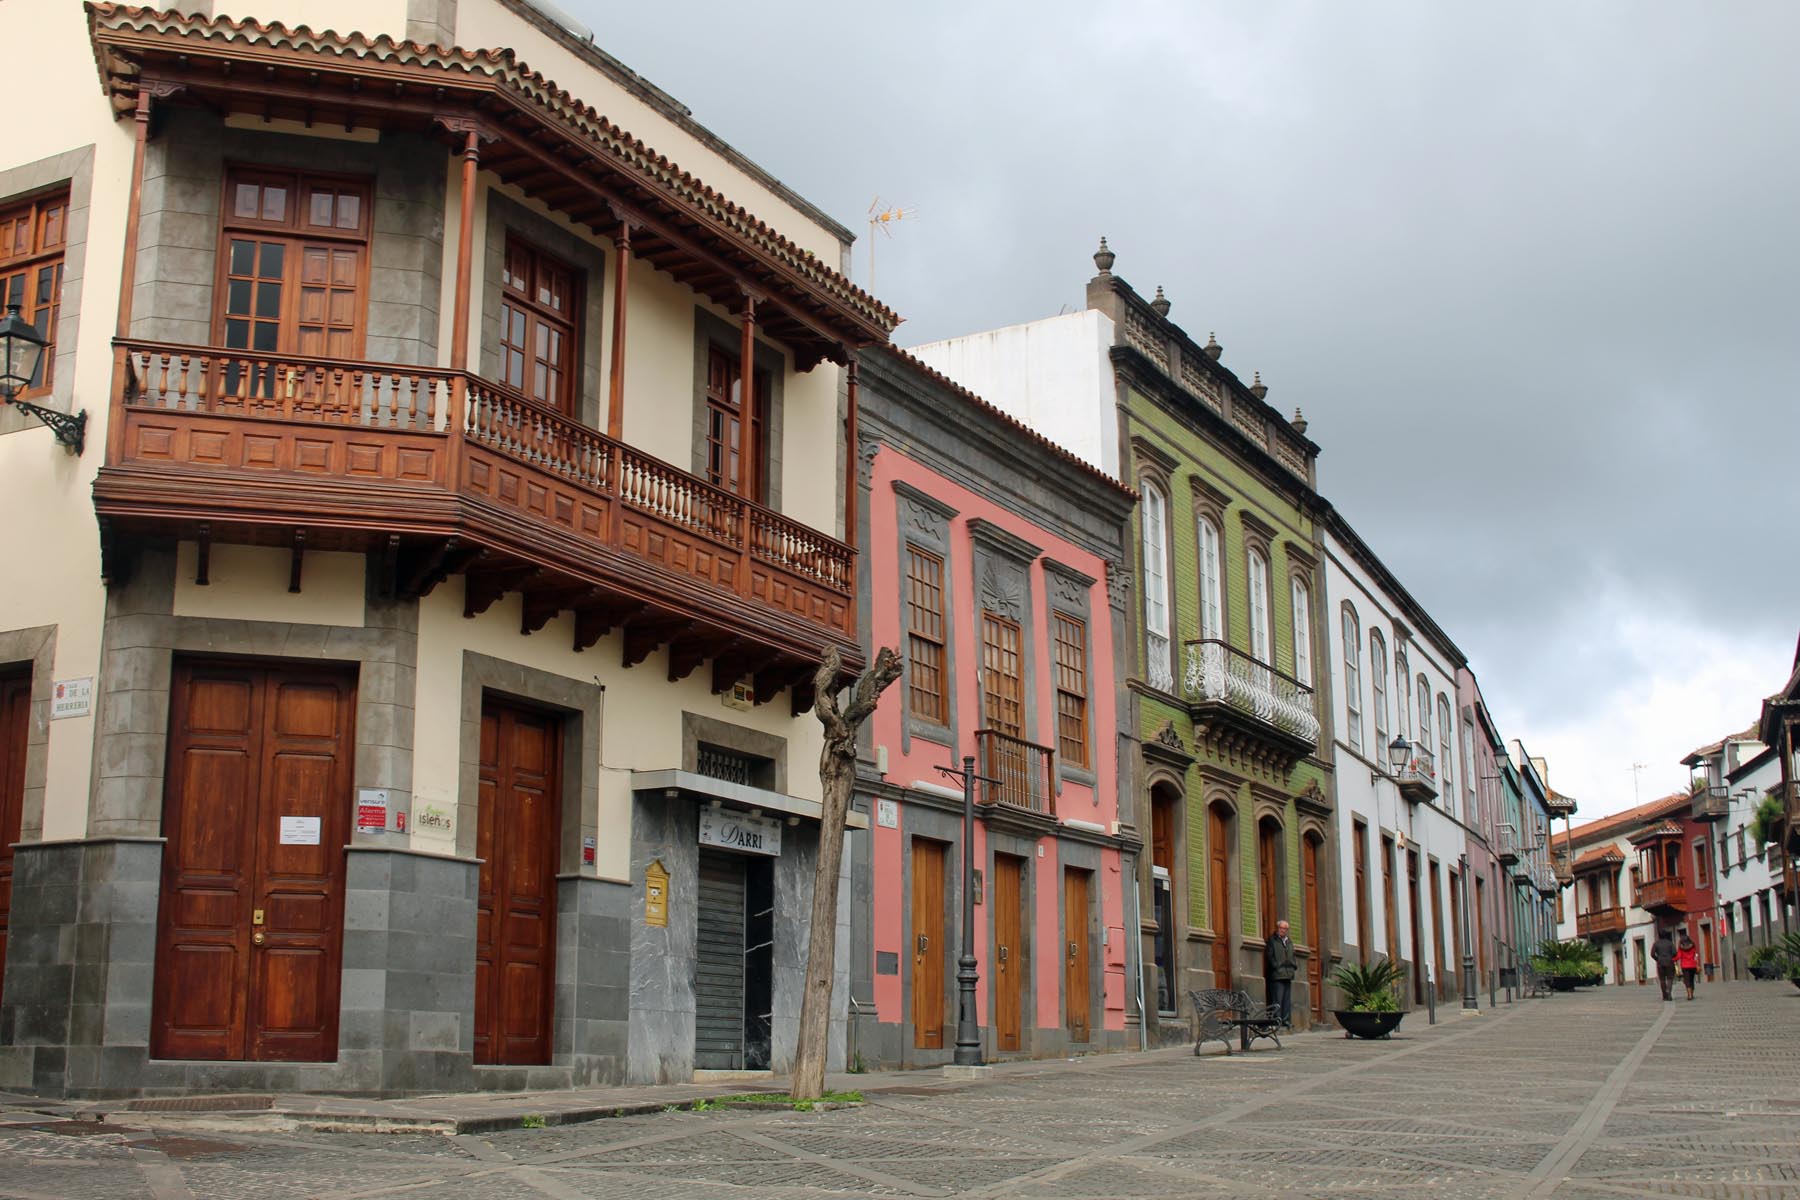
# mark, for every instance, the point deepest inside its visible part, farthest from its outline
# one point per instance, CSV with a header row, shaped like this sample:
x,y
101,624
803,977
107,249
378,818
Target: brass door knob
x,y
256,939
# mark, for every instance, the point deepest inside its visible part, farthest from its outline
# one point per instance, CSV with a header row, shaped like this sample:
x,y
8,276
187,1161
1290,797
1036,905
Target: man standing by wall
x,y
1278,969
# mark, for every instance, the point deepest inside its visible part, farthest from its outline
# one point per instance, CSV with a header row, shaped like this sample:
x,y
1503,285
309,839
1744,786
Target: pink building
x,y
988,557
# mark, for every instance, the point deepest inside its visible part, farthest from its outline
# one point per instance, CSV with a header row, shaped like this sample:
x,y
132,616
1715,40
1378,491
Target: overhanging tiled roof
x,y
131,44
1599,856
1662,829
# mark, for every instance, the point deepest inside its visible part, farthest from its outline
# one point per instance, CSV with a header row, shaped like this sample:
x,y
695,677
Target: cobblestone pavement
x,y
1593,1095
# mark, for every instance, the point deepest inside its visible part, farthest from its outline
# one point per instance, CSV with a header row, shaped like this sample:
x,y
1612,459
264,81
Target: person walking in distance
x,y
1687,958
1662,953
1278,970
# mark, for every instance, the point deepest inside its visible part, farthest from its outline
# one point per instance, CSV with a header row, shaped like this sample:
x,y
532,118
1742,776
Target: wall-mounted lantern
x,y
21,352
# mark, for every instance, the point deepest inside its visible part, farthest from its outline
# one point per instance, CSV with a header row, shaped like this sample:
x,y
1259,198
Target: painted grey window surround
x,y
924,521
74,169
696,729
1069,592
1002,565
710,331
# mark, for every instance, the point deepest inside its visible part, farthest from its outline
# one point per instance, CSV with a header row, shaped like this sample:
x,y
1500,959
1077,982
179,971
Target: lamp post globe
x,y
21,350
1397,751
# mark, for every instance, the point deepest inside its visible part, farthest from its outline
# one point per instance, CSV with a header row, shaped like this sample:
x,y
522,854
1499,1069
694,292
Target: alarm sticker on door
x,y
299,831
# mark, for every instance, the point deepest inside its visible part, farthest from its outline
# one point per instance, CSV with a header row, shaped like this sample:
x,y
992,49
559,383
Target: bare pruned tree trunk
x,y
837,774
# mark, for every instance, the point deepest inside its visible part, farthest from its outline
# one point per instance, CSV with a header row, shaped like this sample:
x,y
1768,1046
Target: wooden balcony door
x,y
1416,919
1077,1001
256,815
1315,926
1009,957
736,437
15,729
928,944
293,280
516,838
1218,884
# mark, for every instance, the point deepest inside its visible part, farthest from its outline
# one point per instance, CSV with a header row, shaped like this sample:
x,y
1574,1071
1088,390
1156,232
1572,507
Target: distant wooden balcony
x,y
1506,843
440,472
1709,804
1666,894
1601,923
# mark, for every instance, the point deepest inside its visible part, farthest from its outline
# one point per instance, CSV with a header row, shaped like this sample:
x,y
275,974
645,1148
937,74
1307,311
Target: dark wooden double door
x,y
255,816
518,824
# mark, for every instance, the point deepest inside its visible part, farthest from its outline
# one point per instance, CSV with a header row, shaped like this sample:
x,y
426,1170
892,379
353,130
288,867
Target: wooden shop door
x,y
928,944
1076,999
517,829
256,813
1315,928
15,728
1218,882
1009,961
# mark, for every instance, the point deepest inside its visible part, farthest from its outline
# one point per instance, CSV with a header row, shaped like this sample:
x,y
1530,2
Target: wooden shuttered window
x,y
33,234
736,431
926,693
539,296
1002,688
1071,691
293,272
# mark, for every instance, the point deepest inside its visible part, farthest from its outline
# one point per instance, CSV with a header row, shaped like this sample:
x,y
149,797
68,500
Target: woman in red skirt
x,y
1687,958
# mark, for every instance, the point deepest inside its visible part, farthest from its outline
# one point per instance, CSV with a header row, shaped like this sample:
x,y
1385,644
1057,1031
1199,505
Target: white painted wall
x,y
1054,375
1432,829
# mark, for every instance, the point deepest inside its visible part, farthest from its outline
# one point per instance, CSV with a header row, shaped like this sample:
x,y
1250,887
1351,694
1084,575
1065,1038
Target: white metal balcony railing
x,y
1217,673
1156,648
1506,841
1420,769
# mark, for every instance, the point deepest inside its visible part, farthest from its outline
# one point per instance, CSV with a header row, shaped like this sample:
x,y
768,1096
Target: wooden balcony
x,y
437,472
1709,803
1668,894
1601,923
1506,844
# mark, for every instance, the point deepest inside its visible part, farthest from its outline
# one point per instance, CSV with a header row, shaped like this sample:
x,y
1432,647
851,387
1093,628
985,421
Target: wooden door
x,y
928,944
1481,946
1268,876
517,827
1417,922
256,814
15,729
1359,847
1218,883
1009,958
1077,1002
1391,898
1437,927
1315,928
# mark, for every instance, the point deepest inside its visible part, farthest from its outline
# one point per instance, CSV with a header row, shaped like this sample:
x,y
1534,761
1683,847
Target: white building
x,y
1400,833
1732,776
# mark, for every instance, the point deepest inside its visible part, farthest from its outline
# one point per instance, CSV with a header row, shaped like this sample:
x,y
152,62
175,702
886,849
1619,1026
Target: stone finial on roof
x,y
1299,423
1259,389
1103,258
1212,347
1161,303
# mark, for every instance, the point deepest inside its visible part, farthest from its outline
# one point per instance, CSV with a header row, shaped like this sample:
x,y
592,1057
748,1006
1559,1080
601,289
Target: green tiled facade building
x,y
1232,796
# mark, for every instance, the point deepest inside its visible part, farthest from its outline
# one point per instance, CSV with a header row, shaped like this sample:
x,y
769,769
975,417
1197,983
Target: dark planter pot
x,y
1368,1024
1563,983
1795,980
1762,971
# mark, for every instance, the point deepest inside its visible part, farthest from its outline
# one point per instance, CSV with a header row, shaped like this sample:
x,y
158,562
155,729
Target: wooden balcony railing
x,y
1709,803
1600,922
1024,772
1506,843
1669,892
425,430
1218,673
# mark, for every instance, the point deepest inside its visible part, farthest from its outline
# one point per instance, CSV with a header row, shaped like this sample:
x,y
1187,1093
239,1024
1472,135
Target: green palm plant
x,y
1766,822
1371,987
1574,958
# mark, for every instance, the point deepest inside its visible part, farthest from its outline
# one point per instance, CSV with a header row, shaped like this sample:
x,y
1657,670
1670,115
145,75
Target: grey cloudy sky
x,y
1532,270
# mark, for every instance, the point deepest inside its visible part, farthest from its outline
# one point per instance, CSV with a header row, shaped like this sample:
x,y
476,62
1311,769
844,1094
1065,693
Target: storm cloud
x,y
1531,270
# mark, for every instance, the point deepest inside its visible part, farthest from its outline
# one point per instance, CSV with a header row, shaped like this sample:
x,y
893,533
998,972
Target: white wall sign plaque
x,y
739,831
887,814
71,698
299,831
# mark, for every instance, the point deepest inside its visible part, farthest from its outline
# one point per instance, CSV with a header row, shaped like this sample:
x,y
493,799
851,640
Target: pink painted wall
x,y
1097,804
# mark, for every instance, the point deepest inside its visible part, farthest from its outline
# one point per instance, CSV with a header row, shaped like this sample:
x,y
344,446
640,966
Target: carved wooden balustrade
x,y
1600,922
1022,774
285,440
1668,892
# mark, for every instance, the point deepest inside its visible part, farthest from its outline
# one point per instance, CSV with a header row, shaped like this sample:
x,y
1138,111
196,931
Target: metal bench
x,y
1223,1013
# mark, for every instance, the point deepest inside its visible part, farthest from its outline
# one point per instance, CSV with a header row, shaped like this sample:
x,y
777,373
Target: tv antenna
x,y
883,218
1637,769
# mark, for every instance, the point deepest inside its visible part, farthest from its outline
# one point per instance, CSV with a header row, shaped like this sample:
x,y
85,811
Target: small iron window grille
x,y
715,762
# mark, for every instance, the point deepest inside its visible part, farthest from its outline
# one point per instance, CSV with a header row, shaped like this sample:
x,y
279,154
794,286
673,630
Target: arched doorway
x,y
1271,882
1219,821
1165,810
1311,912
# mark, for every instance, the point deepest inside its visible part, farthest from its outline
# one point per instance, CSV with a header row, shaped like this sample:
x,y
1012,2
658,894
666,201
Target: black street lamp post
x,y
21,352
968,1029
1470,1002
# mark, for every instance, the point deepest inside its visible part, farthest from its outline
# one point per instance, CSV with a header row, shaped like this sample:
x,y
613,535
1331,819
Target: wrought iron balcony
x,y
1417,777
1709,803
1600,923
442,472
1667,893
1023,773
1506,843
1223,680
